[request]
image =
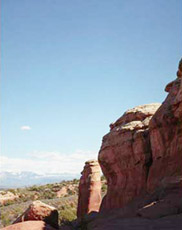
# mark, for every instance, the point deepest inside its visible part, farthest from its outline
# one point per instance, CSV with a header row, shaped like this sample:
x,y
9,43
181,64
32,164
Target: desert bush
x,y
5,220
34,188
69,214
103,178
104,188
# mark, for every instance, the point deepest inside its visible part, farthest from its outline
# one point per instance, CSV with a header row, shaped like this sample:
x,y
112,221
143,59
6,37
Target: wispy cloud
x,y
43,162
25,127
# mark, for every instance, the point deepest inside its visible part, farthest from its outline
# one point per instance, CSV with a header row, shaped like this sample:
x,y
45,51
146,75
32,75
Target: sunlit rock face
x,y
166,137
40,211
89,189
125,156
143,148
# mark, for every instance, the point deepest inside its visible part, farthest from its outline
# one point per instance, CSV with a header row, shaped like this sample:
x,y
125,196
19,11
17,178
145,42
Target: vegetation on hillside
x,y
66,205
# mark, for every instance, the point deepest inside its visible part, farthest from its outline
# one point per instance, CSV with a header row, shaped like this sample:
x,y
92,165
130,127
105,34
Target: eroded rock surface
x,y
125,156
29,225
40,211
89,189
166,137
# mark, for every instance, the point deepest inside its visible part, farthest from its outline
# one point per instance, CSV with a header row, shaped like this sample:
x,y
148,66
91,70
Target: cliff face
x,y
166,137
89,189
143,148
125,156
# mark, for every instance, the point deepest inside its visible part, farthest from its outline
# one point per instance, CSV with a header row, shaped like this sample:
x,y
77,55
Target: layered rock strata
x,y
166,138
40,211
143,148
89,189
125,156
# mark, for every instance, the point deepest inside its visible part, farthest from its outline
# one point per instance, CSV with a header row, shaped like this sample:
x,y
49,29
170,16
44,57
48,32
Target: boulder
x,y
89,189
6,196
40,211
29,225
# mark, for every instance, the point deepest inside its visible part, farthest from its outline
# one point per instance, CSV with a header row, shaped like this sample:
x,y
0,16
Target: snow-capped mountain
x,y
21,179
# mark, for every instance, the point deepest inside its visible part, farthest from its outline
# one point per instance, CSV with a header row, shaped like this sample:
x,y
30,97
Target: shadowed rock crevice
x,y
52,219
148,155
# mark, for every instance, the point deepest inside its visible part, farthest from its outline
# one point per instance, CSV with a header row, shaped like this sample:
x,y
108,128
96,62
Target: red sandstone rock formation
x,y
143,148
125,156
29,225
159,210
89,189
166,137
40,211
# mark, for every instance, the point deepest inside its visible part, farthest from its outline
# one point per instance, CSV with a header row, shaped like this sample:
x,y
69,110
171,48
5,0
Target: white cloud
x,y
43,162
25,127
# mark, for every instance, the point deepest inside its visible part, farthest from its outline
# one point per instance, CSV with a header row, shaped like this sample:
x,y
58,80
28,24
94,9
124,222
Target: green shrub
x,y
68,214
104,188
5,220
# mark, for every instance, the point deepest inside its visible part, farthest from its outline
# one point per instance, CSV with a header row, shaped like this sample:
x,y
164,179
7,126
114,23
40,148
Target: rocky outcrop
x,y
89,189
7,196
29,225
165,201
67,190
116,222
40,211
62,192
143,148
166,137
125,156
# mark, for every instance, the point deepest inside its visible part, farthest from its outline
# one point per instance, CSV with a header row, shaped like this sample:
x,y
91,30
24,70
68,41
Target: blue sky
x,y
71,67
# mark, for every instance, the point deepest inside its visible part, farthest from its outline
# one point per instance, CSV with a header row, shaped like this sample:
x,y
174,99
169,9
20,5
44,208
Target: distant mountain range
x,y
22,179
